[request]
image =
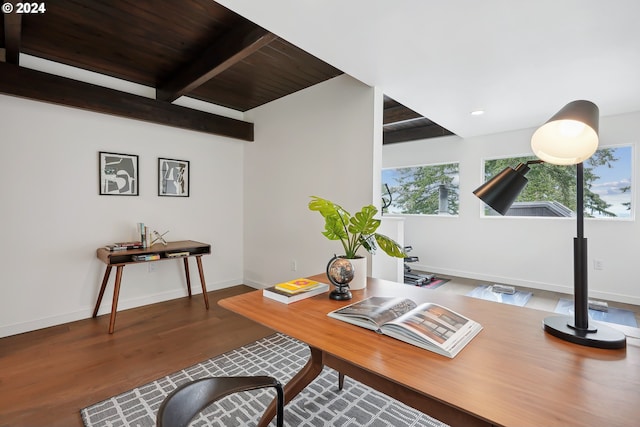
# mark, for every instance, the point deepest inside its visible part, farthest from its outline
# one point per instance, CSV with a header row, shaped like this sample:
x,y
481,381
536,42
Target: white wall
x,y
53,219
533,252
319,141
250,201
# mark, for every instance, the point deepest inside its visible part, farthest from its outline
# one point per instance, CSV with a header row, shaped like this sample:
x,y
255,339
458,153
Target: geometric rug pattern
x,y
612,315
319,404
485,292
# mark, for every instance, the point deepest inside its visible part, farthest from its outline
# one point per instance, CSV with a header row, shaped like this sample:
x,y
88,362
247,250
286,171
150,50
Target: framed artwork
x,y
118,174
173,177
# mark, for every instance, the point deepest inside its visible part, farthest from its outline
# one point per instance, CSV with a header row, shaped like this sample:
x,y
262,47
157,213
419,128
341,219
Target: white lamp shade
x,y
570,136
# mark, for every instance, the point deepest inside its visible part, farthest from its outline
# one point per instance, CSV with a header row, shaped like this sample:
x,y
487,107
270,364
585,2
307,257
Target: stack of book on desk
x,y
295,290
121,246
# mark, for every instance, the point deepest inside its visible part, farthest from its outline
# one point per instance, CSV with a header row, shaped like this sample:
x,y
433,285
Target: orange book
x,y
297,285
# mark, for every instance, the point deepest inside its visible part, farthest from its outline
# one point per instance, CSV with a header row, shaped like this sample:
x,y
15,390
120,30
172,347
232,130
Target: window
x,y
422,190
551,190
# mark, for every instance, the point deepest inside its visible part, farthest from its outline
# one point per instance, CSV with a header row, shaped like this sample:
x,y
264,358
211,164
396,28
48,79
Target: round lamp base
x,y
599,336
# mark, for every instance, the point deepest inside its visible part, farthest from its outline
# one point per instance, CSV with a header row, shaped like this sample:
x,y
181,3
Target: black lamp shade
x,y
503,189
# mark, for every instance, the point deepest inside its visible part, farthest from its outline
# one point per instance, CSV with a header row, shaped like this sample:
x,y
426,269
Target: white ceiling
x,y
519,61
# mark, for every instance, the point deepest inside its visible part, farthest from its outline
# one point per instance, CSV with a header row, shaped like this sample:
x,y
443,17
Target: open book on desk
x,y
429,326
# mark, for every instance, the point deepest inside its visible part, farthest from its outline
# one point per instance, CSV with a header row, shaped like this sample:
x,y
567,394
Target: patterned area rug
x,y
320,404
485,292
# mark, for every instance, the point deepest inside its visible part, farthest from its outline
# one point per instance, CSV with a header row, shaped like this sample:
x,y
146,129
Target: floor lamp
x,y
569,137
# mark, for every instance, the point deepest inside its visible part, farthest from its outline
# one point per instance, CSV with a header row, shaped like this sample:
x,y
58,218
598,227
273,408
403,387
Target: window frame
x,y
516,158
456,179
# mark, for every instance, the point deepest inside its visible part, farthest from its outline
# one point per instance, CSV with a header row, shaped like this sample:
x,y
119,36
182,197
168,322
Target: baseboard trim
x,y
608,296
255,285
105,308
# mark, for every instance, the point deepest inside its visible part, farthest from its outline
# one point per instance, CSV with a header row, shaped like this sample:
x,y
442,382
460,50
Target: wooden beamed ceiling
x,y
197,49
236,45
401,124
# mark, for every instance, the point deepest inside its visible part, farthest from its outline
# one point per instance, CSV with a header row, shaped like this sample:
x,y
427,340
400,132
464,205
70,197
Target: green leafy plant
x,y
354,231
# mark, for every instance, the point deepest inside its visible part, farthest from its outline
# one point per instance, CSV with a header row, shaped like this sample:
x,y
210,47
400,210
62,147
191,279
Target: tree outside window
x,y
422,190
551,190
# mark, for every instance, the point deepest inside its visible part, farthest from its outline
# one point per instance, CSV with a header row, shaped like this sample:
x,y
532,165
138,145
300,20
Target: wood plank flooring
x,y
47,376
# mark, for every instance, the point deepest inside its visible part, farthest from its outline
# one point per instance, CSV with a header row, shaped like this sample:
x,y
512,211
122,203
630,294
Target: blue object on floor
x,y
612,315
484,292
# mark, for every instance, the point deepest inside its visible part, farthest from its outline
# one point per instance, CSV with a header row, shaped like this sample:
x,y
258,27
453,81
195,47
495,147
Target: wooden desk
x,y
121,258
511,374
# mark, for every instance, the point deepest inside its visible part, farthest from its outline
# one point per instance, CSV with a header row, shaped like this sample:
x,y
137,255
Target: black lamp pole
x,y
578,330
580,282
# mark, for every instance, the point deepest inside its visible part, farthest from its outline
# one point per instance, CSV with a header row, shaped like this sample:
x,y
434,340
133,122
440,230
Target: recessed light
x,y
477,112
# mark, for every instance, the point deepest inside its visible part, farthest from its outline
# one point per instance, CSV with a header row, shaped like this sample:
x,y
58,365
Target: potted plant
x,y
354,231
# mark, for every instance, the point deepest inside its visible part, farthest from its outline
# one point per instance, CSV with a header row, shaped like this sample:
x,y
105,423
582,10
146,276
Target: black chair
x,y
188,400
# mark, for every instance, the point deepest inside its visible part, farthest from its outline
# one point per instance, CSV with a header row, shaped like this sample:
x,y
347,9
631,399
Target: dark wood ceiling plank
x,y
233,47
12,37
26,83
402,124
399,113
276,70
415,133
406,124
142,41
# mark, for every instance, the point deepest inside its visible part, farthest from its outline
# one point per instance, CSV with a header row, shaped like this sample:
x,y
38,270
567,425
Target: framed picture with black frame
x,y
173,177
118,174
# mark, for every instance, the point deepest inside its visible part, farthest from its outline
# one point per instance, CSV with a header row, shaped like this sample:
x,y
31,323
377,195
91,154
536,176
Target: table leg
x,y
204,285
186,273
105,279
116,294
308,373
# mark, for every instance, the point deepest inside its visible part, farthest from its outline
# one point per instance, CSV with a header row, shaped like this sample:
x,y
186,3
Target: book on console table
x,y
428,326
295,290
121,246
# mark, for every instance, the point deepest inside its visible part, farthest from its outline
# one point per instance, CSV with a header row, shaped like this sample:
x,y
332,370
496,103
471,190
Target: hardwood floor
x,y
47,376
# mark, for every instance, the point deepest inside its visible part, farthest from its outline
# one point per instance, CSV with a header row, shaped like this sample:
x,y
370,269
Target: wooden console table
x,y
124,257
